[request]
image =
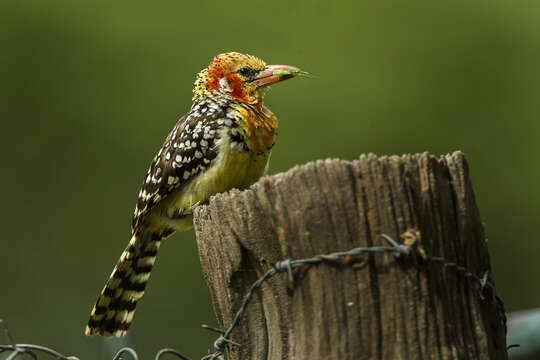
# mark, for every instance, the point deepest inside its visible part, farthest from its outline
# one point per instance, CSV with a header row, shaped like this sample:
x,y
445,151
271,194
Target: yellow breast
x,y
230,169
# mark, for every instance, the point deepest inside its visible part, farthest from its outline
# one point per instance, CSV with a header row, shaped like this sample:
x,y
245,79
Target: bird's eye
x,y
247,72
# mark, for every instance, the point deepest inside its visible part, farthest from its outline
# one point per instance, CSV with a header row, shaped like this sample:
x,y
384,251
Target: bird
x,y
223,142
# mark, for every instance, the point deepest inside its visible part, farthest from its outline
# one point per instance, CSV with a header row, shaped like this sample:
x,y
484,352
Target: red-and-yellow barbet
x,y
223,142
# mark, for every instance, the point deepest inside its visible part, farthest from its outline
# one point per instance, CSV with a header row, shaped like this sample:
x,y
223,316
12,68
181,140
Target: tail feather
x,y
114,309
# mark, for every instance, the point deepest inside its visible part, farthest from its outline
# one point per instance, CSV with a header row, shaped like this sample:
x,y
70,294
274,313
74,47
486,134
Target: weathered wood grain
x,y
386,309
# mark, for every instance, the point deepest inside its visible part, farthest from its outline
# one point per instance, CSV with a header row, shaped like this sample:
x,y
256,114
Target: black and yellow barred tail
x,y
114,309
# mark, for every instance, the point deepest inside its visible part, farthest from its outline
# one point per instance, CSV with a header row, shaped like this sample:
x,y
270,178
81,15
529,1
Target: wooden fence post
x,y
381,308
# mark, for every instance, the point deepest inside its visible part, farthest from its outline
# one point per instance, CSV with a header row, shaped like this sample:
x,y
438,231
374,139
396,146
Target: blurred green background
x,y
89,90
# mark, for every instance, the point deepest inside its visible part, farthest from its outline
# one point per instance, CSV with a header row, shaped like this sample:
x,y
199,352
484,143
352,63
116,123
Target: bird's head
x,y
239,77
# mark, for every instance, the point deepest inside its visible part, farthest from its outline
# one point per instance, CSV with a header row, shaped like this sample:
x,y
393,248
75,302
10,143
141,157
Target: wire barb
x,y
402,250
204,326
221,341
285,265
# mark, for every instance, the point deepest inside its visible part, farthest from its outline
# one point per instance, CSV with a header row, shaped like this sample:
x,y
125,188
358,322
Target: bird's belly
x,y
229,170
233,170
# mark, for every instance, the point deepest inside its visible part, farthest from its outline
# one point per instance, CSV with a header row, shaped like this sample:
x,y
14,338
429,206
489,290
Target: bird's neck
x,y
259,126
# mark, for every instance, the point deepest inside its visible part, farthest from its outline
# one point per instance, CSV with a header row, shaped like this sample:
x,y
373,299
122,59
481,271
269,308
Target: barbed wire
x,y
410,248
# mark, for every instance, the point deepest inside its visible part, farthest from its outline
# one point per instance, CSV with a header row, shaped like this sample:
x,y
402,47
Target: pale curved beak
x,y
275,73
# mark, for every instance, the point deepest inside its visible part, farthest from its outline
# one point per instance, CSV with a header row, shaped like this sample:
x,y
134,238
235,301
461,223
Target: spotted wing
x,y
187,151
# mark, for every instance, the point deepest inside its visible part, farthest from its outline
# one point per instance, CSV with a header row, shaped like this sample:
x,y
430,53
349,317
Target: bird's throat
x,y
259,126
